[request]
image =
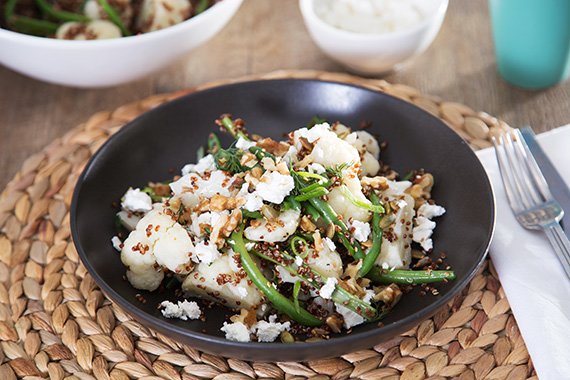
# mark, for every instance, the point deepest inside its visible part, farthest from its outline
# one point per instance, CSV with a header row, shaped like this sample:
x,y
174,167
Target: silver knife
x,y
558,187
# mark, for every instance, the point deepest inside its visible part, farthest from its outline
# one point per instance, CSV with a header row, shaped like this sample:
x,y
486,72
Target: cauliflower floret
x,y
145,278
327,262
93,30
395,251
369,142
275,230
343,206
369,165
94,11
173,248
160,14
218,282
137,250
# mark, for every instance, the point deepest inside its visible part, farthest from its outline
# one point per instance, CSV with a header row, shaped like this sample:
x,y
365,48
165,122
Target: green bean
x,y
296,290
260,154
310,210
403,276
251,214
374,252
9,9
214,144
315,193
290,203
32,26
279,301
226,122
340,295
114,16
330,216
201,7
57,14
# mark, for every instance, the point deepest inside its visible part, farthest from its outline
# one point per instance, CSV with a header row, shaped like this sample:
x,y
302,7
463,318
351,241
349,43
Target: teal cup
x,y
532,41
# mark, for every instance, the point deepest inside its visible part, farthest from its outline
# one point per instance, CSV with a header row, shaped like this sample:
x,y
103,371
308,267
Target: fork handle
x,y
561,245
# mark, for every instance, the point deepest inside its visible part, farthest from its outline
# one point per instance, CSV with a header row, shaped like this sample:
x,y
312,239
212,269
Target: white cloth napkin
x,y
534,282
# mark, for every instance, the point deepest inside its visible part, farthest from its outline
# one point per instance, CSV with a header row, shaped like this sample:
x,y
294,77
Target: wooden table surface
x,y
270,35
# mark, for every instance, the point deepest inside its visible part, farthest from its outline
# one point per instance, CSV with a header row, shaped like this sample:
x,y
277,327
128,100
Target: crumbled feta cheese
x,y
249,245
424,226
182,310
422,232
244,144
218,183
350,317
312,135
253,202
316,168
330,244
298,260
205,252
117,243
361,230
236,331
136,200
368,296
205,164
430,211
328,288
269,331
274,187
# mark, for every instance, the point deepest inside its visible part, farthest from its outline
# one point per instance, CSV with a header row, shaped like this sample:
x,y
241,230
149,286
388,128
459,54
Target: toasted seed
x,y
286,337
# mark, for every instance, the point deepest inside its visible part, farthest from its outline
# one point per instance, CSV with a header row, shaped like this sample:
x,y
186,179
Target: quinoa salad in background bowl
x,y
334,227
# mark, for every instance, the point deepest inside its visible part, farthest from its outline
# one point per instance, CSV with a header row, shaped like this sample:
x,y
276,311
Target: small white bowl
x,y
110,62
373,54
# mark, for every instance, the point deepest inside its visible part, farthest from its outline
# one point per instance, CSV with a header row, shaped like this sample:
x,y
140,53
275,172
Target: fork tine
x,y
516,174
525,177
533,168
506,176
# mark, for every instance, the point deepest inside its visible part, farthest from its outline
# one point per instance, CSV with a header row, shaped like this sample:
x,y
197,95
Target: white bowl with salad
x,y
101,43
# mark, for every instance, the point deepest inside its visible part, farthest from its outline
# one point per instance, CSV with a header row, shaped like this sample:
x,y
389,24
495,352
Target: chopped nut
x,y
335,323
331,229
274,147
390,295
380,183
307,225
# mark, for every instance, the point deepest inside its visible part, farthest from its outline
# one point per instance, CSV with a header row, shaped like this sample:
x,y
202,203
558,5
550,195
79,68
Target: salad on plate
x,y
303,238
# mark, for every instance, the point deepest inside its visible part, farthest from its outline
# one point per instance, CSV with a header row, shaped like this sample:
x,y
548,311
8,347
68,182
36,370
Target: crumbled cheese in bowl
x,y
372,16
182,310
136,200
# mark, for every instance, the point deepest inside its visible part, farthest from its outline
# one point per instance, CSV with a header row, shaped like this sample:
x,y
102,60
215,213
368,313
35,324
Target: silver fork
x,y
528,193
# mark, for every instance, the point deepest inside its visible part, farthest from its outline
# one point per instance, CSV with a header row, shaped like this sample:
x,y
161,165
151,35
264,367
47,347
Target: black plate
x,y
163,140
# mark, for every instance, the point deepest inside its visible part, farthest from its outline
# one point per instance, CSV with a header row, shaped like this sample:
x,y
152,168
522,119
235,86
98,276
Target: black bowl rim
x,y
206,339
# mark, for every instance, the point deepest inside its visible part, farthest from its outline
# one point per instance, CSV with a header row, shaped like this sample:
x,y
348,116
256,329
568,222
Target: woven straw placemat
x,y
55,322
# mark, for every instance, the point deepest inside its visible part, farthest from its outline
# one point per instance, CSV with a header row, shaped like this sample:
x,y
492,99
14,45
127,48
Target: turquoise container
x,y
532,41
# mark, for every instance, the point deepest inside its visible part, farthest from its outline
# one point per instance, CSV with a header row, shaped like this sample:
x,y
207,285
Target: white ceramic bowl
x,y
373,54
110,62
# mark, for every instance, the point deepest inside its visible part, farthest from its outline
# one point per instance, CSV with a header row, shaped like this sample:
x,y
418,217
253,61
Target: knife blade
x,y
558,187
